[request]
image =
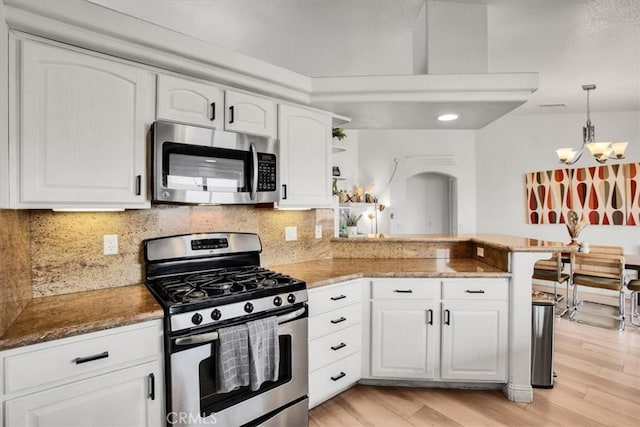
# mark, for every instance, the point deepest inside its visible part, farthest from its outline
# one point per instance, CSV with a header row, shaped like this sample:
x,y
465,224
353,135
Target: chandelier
x,y
601,151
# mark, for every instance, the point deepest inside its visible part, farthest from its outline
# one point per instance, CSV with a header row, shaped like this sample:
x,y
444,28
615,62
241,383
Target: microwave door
x,y
223,173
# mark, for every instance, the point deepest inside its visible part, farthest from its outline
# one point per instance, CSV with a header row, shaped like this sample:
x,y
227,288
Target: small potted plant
x,y
338,133
351,221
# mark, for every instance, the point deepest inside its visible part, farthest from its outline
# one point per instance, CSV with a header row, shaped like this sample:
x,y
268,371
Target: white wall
x,y
450,152
456,37
516,144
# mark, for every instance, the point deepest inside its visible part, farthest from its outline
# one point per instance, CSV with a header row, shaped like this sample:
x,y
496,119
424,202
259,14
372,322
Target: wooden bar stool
x,y
552,270
634,287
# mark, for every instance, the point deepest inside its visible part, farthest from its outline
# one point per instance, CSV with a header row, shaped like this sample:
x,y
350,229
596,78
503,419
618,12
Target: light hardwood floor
x,y
598,383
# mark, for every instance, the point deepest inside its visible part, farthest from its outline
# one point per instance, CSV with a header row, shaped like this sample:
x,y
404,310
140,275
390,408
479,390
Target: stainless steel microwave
x,y
197,165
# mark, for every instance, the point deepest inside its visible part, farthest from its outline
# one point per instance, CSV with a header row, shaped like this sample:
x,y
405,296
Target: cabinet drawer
x,y
476,289
330,348
406,288
335,320
55,361
333,378
333,296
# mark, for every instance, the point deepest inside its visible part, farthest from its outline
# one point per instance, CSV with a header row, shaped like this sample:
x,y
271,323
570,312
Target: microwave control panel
x,y
266,172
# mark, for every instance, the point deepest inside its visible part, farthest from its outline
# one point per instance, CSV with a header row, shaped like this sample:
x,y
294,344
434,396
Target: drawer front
x,y
335,320
333,296
406,288
330,348
49,363
333,378
476,289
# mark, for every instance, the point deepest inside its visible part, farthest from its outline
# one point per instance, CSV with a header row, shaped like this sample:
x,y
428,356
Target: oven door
x,y
193,395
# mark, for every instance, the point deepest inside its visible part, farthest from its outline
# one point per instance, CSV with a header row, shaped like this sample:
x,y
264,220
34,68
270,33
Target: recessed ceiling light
x,y
447,117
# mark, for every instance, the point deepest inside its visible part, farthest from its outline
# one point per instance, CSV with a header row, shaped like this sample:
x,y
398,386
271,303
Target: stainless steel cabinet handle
x,y
447,317
338,347
79,360
231,118
339,297
430,317
213,111
341,319
152,387
474,292
336,378
284,191
403,291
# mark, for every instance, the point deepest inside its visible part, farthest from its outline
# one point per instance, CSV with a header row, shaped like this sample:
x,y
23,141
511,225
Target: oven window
x,y
211,402
200,168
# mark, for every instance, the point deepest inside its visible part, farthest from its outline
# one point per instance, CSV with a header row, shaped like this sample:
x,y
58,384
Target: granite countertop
x,y
501,241
60,316
327,271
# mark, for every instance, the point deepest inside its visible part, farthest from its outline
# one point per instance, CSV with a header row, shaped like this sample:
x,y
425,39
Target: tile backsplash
x,y
67,247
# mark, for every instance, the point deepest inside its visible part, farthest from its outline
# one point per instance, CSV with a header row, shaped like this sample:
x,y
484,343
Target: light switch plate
x,y
290,233
318,231
479,251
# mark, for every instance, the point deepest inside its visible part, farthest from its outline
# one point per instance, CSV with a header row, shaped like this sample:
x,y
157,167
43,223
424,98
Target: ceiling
x,y
569,42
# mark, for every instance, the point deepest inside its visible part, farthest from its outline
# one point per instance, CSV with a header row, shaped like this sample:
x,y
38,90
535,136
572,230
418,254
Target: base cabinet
x,y
122,398
474,341
441,330
404,340
108,378
335,339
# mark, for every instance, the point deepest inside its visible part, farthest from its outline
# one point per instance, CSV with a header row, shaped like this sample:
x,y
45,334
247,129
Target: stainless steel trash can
x,y
542,339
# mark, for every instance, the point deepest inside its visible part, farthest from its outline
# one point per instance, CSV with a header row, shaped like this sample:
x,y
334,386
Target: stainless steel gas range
x,y
210,281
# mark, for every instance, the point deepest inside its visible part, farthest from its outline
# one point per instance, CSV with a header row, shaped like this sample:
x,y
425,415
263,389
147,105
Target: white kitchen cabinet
x,y
474,330
404,328
404,339
305,158
250,114
80,128
105,378
188,101
119,398
335,339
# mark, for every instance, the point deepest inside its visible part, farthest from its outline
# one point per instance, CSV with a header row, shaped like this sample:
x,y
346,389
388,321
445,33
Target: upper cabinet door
x,y
187,101
250,114
305,158
82,125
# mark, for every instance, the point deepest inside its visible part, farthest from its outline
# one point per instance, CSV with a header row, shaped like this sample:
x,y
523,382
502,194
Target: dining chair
x,y
634,287
551,270
601,268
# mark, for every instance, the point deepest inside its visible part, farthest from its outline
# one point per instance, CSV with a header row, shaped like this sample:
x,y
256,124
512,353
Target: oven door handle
x,y
212,336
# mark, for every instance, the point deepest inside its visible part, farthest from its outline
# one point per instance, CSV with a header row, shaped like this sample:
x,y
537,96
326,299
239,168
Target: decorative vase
x,y
573,242
352,230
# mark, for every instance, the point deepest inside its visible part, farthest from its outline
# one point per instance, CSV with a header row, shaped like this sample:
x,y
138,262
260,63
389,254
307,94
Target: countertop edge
x,y
74,330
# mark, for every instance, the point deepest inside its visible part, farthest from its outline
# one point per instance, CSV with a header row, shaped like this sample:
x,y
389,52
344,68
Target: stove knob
x,y
291,298
277,301
196,318
216,314
248,307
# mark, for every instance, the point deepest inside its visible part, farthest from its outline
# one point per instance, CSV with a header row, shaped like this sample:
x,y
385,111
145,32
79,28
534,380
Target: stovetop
x,y
190,291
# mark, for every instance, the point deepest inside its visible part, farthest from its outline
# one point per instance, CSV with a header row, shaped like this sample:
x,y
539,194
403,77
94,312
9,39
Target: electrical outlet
x,y
480,251
111,244
290,233
318,231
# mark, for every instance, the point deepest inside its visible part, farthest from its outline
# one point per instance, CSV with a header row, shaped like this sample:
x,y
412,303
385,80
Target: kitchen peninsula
x,y
396,274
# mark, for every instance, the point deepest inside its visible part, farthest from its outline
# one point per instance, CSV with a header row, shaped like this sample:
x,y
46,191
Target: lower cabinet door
x,y
333,379
404,338
474,341
128,397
